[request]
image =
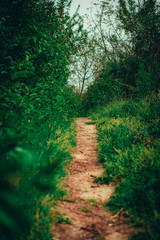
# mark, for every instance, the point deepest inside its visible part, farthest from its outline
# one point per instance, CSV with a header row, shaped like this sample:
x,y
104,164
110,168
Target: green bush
x,y
129,151
37,111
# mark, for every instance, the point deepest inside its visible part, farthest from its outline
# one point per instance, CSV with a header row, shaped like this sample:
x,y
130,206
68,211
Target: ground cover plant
x,y
129,134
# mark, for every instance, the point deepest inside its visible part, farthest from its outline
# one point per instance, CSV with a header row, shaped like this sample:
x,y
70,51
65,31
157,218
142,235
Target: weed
x,y
61,219
99,238
90,123
86,210
93,202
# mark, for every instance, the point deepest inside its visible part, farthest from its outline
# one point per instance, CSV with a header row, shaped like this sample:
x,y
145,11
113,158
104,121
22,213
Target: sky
x,y
84,4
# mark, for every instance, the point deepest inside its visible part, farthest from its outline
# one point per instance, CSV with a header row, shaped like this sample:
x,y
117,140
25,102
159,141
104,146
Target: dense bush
x,y
37,111
127,78
129,150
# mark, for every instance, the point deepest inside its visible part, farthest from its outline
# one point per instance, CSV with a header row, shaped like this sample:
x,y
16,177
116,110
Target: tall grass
x,y
129,133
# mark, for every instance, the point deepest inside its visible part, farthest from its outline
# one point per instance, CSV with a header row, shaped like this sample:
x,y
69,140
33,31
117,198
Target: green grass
x,y
61,219
33,179
129,133
90,123
86,210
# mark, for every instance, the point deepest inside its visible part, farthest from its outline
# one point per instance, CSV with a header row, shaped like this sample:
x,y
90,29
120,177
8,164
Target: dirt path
x,y
84,204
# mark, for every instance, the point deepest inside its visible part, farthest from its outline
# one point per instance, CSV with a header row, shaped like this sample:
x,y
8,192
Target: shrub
x,y
37,111
129,150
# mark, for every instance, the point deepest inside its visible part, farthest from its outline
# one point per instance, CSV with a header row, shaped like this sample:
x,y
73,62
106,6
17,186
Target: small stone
x,y
110,224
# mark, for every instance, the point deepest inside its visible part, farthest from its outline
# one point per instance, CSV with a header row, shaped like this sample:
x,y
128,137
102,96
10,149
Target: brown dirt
x,y
84,204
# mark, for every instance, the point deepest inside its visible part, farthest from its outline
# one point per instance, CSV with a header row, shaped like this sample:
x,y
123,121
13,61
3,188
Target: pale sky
x,y
84,4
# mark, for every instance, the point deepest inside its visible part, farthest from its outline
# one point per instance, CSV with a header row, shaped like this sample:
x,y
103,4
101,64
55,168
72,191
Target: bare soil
x,y
84,204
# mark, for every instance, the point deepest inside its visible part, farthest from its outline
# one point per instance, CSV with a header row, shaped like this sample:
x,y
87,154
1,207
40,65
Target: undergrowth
x,y
129,133
31,181
37,110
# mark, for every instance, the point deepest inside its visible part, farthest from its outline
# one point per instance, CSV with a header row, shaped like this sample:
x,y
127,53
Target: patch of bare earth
x,y
84,204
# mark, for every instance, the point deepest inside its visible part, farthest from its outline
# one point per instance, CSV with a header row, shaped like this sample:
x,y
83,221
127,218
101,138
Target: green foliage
x,y
129,129
37,111
129,150
140,21
130,78
133,63
28,175
101,91
86,210
147,80
61,219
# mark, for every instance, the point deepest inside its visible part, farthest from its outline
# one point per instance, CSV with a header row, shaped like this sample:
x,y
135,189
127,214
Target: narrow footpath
x,y
84,203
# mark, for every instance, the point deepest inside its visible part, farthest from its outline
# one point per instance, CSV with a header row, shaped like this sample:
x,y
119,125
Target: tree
x,y
106,44
140,21
85,66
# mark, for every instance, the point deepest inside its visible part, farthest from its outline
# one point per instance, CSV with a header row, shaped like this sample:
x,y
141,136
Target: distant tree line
x,y
126,37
